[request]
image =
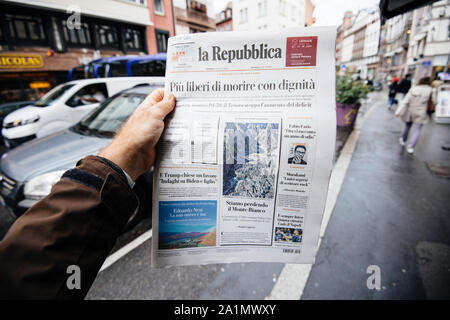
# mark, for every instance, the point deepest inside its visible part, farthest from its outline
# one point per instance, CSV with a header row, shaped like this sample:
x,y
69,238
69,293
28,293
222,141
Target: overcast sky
x,y
327,12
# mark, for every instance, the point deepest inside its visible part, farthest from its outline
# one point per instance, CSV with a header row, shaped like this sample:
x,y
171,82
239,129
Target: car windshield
x,y
53,95
110,116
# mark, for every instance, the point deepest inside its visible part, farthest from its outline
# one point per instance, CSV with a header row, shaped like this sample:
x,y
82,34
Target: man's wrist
x,y
119,170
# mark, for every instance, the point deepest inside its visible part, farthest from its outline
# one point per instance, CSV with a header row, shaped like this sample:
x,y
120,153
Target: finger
x,y
154,97
163,108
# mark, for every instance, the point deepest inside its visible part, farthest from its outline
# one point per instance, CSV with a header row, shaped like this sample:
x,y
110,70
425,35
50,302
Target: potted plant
x,y
349,94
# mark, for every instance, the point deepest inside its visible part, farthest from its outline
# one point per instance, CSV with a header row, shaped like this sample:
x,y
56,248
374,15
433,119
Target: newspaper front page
x,y
245,160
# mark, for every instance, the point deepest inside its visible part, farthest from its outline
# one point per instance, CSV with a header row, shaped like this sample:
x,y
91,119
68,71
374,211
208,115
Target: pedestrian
x,y
72,230
392,91
403,88
413,111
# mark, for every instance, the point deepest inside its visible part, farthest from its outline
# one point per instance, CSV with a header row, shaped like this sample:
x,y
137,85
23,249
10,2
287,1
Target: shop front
x,y
25,76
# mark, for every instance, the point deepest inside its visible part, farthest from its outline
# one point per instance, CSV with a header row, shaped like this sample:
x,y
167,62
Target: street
x,y
392,212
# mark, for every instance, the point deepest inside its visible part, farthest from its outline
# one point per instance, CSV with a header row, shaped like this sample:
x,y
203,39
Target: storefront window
x,y
133,39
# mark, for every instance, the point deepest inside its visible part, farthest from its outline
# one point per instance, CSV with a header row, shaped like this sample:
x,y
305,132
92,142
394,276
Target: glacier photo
x,y
250,157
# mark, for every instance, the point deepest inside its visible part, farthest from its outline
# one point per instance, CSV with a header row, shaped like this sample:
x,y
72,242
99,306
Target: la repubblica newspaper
x,y
245,160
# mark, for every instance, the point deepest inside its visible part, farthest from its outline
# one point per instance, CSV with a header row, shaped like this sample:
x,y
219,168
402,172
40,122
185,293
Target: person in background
x,y
94,96
403,88
392,91
437,82
413,111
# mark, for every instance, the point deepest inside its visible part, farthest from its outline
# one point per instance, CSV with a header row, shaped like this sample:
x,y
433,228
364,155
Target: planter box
x,y
346,114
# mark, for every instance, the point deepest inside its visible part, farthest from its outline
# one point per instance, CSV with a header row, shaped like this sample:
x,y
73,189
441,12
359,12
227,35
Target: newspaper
x,y
245,161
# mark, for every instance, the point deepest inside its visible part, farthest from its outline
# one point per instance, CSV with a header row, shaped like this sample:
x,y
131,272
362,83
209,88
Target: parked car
x,y
7,108
29,171
62,107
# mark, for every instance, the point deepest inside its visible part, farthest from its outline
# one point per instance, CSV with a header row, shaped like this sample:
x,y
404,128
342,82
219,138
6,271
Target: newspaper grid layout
x,y
245,160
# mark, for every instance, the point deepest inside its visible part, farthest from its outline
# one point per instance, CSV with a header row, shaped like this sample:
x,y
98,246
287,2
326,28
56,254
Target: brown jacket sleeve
x,y
76,224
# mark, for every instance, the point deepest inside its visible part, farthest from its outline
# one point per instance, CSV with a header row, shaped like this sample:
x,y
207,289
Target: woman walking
x,y
413,111
392,91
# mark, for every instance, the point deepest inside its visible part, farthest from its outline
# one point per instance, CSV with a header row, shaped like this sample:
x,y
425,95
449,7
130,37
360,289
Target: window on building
x,y
77,37
108,36
141,2
162,37
243,15
159,7
26,29
133,39
262,8
283,7
228,27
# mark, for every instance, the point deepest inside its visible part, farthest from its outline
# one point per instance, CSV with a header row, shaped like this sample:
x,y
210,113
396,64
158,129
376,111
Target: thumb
x,y
160,110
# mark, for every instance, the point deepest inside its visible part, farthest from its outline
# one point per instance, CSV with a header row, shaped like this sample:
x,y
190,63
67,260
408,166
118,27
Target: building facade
x,y
359,52
429,41
346,23
253,15
41,41
192,16
395,35
162,27
224,20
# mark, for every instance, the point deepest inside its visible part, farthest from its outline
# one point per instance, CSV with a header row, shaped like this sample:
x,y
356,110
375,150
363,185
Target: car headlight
x,y
23,122
40,186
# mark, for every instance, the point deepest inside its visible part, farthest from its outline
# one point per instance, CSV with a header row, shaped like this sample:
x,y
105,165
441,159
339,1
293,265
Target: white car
x,y
64,106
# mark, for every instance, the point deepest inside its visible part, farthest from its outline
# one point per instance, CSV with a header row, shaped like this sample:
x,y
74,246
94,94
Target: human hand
x,y
133,147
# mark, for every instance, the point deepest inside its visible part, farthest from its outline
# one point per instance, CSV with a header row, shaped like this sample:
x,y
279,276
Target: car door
x,y
85,100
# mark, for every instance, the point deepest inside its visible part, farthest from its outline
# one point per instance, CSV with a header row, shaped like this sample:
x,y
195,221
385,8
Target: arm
x,y
92,100
79,221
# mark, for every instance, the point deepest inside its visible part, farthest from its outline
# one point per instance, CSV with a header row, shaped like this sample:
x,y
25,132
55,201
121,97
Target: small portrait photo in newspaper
x,y
288,234
298,154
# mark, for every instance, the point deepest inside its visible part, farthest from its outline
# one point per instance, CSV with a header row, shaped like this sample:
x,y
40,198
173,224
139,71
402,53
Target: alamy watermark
x,y
374,280
74,21
74,279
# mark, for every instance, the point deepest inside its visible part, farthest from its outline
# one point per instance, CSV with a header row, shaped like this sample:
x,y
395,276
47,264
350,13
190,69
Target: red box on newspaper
x,y
301,51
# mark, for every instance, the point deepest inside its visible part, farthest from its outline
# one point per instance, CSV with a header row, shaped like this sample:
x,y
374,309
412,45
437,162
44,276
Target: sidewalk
x,y
391,212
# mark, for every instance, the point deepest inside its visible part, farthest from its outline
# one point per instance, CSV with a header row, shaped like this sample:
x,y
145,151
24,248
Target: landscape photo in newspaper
x,y
250,153
245,158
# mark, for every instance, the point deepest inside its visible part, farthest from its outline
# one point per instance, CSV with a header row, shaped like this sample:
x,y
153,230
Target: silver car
x,y
28,172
